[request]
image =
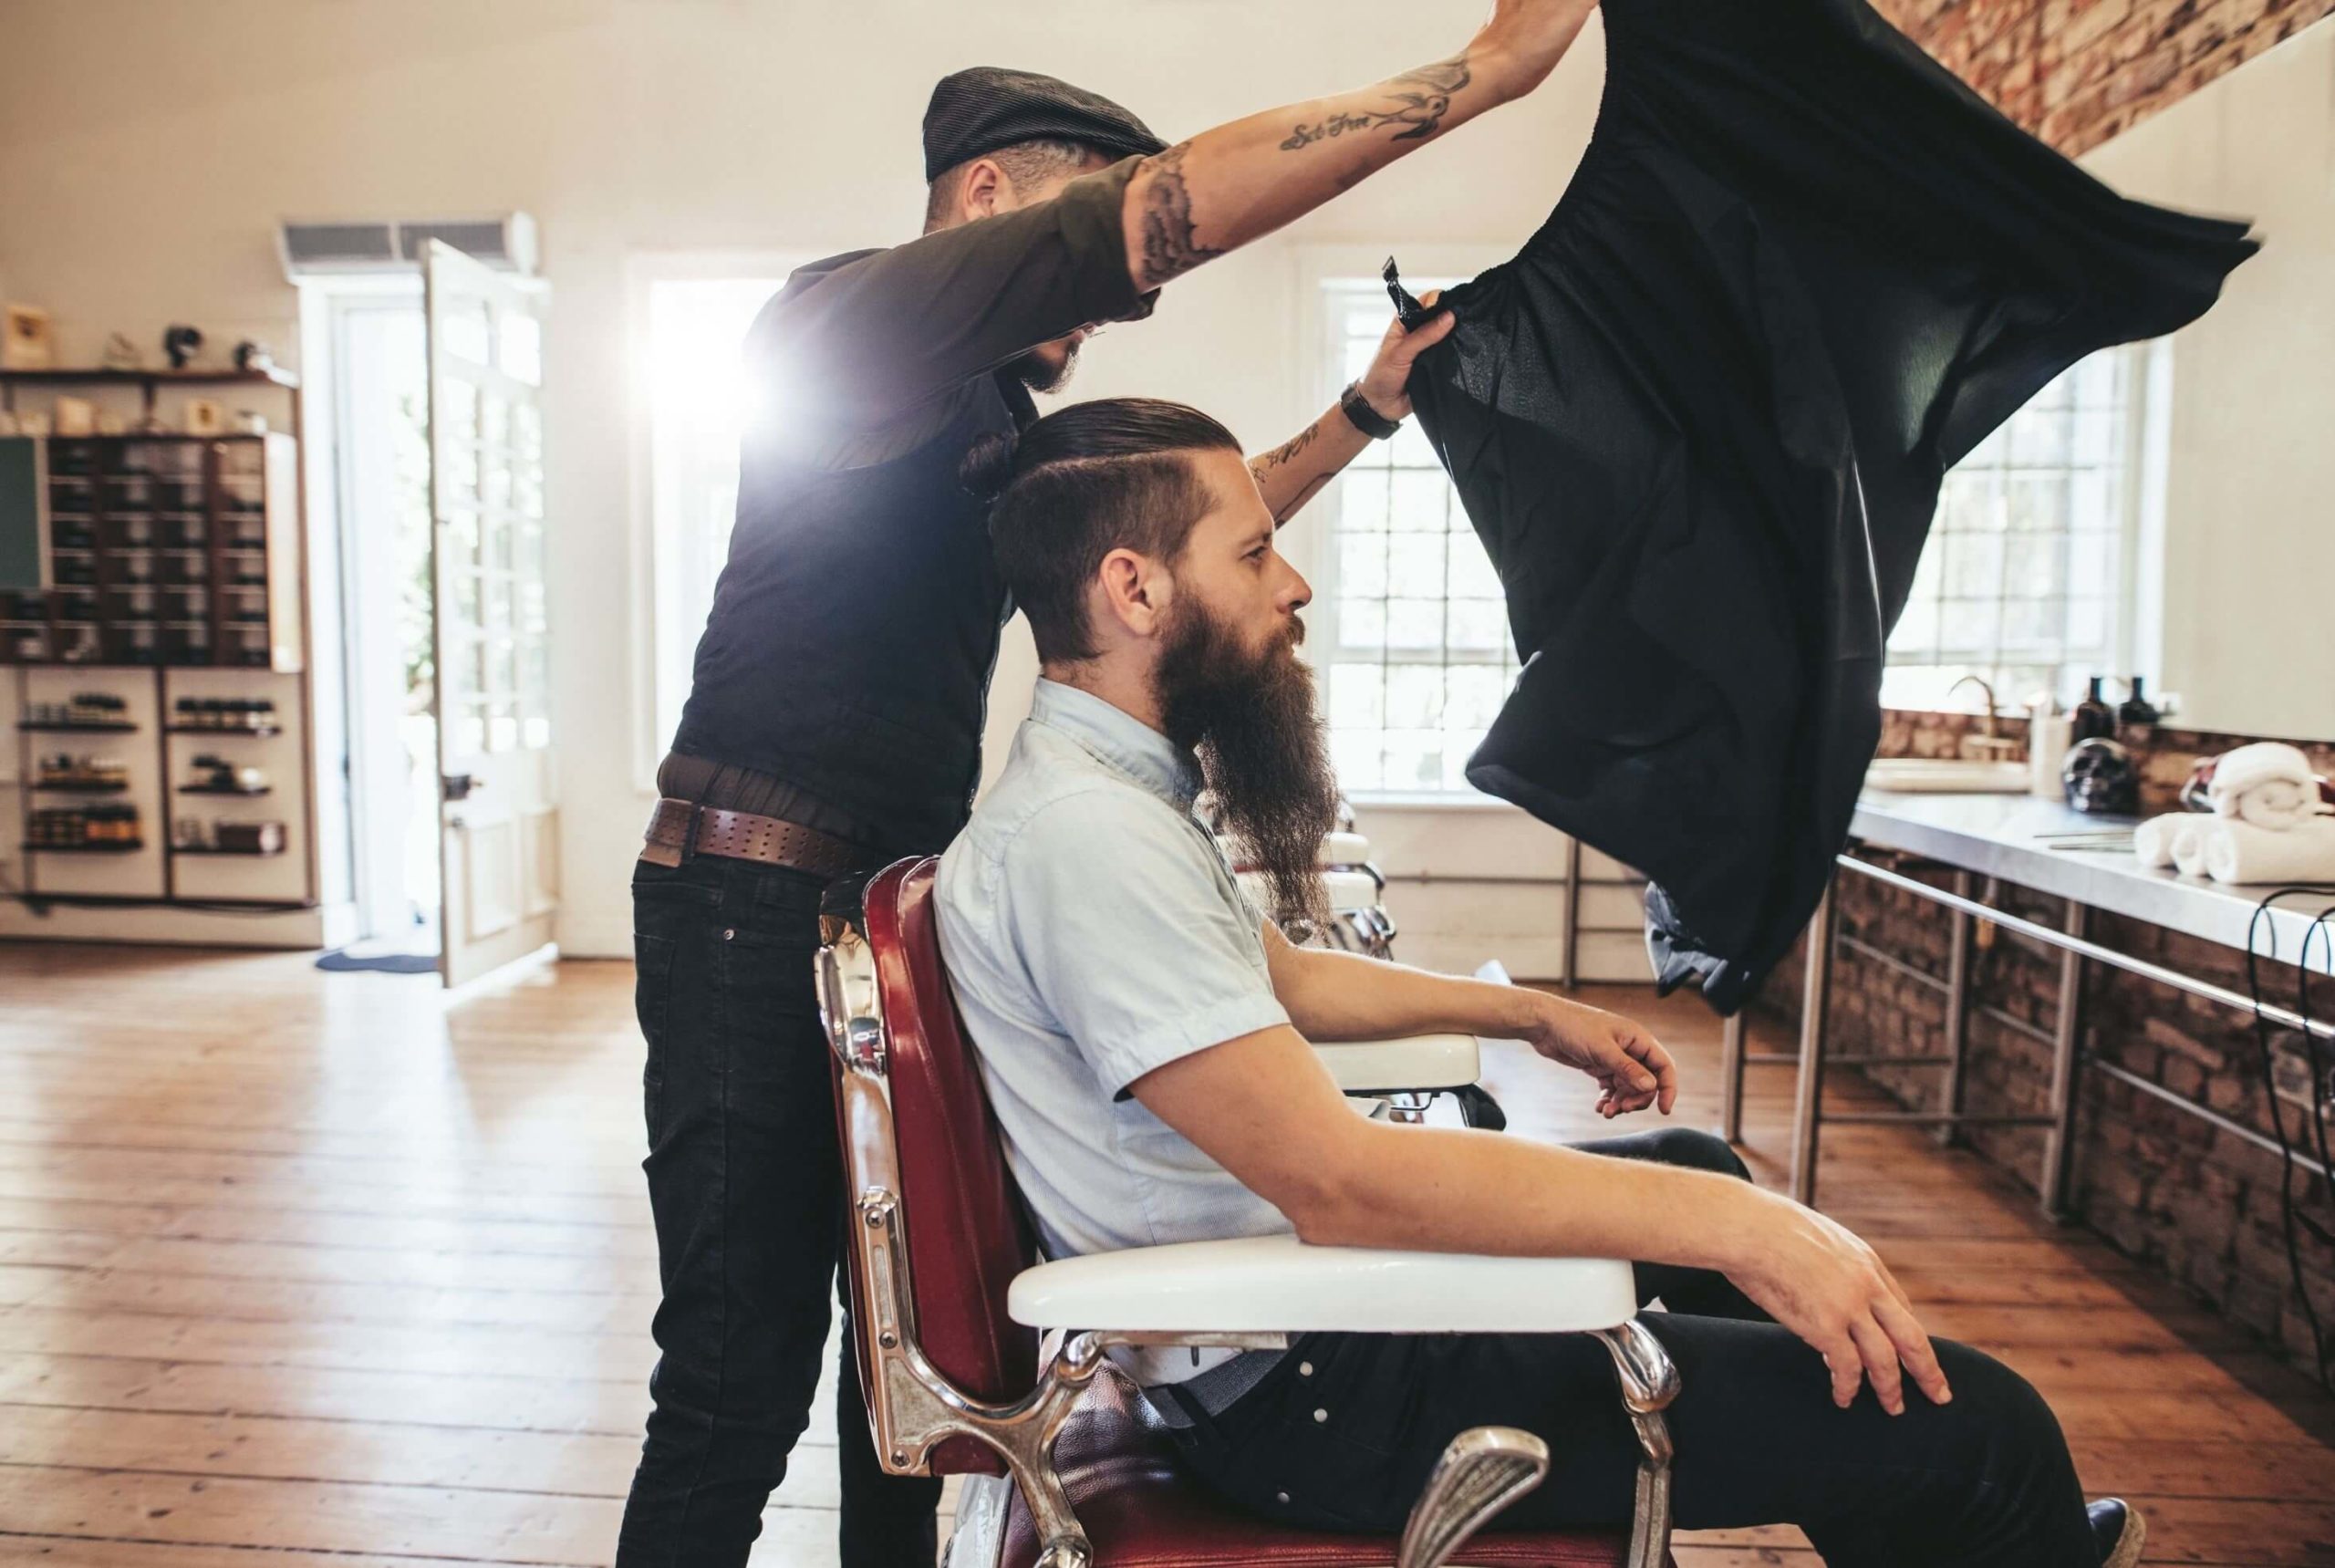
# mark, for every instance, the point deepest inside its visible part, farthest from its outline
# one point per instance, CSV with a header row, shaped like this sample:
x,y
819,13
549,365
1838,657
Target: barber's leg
x,y
745,1184
1703,1292
1345,1430
889,1522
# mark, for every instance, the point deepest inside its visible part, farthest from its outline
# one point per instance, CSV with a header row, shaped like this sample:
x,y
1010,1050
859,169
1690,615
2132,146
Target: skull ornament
x,y
2099,775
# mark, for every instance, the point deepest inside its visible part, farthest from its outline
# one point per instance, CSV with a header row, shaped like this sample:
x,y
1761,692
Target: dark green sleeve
x,y
878,336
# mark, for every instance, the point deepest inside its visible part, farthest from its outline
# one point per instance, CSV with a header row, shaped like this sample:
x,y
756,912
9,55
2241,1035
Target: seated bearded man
x,y
1142,1031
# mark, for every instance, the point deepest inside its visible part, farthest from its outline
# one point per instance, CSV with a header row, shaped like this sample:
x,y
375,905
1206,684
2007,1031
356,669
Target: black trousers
x,y
1342,1433
746,1184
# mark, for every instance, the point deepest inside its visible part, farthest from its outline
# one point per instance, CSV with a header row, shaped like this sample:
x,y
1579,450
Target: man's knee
x,y
2010,1441
1697,1151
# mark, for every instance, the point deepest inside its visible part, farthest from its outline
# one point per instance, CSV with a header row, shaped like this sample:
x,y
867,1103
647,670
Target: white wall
x,y
148,150
2249,554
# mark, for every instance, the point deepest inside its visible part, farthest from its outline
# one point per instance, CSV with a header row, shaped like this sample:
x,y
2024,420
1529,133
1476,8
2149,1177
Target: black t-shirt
x,y
842,675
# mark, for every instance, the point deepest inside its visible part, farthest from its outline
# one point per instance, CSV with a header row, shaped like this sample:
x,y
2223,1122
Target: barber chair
x,y
977,1360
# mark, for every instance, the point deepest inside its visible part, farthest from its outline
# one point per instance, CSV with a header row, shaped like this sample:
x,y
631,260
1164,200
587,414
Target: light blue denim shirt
x,y
1093,932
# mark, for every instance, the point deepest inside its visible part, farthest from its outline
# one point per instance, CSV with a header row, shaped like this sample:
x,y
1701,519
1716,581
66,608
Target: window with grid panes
x,y
1418,656
2023,582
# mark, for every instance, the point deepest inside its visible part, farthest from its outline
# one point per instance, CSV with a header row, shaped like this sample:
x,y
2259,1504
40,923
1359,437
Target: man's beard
x,y
1039,375
1264,753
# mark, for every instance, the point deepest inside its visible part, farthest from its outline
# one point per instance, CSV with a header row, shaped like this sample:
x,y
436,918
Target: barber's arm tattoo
x,y
1422,98
1294,473
1286,450
1170,246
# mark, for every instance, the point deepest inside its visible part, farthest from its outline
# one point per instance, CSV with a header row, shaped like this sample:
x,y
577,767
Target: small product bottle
x,y
2048,740
2137,709
2094,717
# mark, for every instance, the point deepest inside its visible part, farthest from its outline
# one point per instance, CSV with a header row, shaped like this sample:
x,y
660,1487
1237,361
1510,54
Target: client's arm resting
x,y
1264,1107
1345,996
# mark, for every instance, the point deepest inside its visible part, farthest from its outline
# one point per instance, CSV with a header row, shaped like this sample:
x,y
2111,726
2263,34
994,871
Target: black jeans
x,y
1342,1433
746,1184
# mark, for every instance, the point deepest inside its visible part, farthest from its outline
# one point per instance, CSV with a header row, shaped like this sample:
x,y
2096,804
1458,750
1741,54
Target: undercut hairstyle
x,y
1111,475
1027,164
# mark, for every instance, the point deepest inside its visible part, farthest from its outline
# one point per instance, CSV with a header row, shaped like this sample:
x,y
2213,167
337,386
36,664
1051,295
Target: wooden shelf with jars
x,y
165,550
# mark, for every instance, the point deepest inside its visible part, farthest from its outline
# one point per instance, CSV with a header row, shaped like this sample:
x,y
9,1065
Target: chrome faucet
x,y
1992,745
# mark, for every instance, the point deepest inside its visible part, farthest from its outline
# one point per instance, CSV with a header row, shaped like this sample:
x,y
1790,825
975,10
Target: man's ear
x,y
985,190
1135,592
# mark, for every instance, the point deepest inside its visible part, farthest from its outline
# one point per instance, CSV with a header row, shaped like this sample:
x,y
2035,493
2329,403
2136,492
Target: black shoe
x,y
2117,1531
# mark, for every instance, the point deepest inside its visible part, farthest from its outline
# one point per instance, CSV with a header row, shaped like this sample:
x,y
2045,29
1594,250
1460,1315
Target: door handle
x,y
452,788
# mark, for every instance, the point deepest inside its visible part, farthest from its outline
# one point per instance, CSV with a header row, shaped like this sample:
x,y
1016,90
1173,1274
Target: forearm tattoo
x,y
1170,248
1286,450
1281,457
1422,99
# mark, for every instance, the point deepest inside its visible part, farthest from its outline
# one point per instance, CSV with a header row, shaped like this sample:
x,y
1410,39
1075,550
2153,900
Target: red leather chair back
x,y
967,1232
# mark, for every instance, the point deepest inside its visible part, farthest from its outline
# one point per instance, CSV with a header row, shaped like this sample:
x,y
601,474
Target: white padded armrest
x,y
1419,1062
1277,1284
1343,849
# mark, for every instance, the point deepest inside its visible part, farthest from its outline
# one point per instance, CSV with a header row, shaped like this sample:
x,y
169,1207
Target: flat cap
x,y
988,107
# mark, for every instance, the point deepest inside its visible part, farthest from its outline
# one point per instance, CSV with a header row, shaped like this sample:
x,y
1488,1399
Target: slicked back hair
x,y
1087,480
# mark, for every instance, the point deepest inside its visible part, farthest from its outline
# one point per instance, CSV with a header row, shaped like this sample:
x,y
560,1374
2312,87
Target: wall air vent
x,y
325,249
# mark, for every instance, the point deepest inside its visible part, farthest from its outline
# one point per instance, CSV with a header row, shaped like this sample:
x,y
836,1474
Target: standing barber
x,y
836,719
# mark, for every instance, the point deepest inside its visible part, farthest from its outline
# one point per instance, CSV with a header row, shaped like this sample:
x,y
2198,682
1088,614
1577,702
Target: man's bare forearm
x,y
1233,184
1426,1189
1345,996
1294,473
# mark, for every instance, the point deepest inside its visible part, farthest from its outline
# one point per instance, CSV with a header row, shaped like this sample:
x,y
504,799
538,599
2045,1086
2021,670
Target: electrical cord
x,y
2264,1035
2320,1088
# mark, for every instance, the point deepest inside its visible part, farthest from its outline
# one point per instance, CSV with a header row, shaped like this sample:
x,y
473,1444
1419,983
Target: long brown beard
x,y
1263,750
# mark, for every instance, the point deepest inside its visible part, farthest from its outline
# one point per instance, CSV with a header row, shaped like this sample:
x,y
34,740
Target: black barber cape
x,y
1700,424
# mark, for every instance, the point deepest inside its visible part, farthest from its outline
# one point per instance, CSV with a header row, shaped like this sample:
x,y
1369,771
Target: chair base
x,y
1140,1511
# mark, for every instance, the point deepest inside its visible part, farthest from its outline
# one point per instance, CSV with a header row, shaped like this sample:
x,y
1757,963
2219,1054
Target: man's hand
x,y
1386,386
1522,42
1821,1282
1632,1069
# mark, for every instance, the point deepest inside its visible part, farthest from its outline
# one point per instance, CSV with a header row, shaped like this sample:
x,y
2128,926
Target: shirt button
x,y
1281,1497
1305,1369
1321,1416
729,935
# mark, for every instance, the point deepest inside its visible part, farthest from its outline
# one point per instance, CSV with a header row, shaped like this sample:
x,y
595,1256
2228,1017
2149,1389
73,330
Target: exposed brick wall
x,y
2076,72
2165,1186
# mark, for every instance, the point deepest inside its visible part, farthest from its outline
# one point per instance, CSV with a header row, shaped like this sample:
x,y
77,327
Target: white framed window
x,y
691,316
2028,578
1416,649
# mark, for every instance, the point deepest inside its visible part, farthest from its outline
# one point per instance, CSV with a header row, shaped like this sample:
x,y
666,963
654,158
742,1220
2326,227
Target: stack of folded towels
x,y
2267,823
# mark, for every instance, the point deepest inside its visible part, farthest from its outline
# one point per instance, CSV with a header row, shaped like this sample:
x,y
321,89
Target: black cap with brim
x,y
986,108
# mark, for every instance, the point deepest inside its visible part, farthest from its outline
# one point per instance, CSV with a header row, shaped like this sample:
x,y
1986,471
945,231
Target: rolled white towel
x,y
2189,845
2269,783
2153,840
2238,852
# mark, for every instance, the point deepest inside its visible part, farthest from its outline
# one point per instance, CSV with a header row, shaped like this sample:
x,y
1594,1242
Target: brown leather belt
x,y
679,829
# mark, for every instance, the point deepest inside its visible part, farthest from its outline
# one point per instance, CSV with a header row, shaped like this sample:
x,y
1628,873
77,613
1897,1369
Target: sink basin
x,y
1945,775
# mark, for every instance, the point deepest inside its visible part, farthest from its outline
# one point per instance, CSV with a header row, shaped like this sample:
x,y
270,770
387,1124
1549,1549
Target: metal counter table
x,y
2036,844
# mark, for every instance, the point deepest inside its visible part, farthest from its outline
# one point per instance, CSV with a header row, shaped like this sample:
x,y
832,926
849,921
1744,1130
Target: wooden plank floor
x,y
307,1264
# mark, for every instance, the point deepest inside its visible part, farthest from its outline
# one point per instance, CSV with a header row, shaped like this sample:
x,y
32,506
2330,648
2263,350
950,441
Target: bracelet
x,y
1362,417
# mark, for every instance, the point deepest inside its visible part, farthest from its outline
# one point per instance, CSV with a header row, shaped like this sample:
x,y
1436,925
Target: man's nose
x,y
1299,593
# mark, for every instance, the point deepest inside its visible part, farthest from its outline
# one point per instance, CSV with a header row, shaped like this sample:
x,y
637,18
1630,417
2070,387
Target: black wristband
x,y
1362,417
